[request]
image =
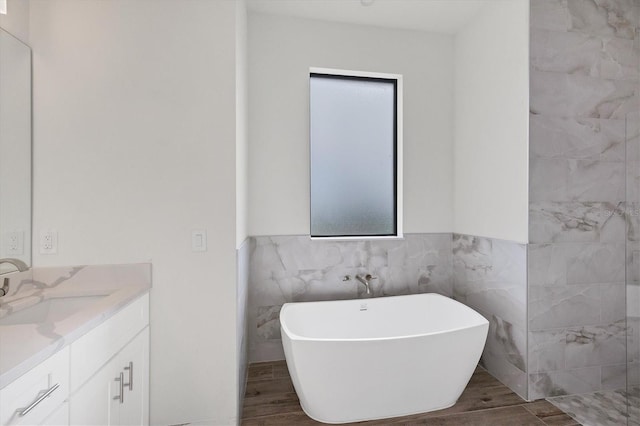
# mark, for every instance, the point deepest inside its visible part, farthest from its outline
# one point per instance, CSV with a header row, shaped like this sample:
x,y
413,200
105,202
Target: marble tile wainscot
x,y
490,276
297,269
242,296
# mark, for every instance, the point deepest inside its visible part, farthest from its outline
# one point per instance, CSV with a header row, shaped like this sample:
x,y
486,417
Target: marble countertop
x,y
23,346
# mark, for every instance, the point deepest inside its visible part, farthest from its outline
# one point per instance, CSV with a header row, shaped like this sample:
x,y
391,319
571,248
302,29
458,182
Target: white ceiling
x,y
441,16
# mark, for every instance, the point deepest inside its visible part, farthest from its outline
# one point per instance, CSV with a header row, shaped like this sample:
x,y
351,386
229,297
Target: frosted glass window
x,y
353,132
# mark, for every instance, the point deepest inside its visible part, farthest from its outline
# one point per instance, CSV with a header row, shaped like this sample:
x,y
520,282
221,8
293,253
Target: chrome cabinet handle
x,y
130,368
39,400
120,397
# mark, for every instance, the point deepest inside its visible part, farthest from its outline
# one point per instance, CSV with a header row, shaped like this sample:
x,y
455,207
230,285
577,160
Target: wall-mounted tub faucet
x,y
20,266
366,281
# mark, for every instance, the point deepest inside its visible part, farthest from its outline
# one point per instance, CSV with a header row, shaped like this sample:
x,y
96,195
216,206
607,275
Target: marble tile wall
x,y
583,84
490,276
633,262
298,269
242,296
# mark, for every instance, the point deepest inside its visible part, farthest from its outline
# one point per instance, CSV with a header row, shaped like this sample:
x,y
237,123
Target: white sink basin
x,y
50,310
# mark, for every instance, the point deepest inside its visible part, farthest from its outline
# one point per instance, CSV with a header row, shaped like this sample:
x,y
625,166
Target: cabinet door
x,y
59,417
134,363
97,402
104,400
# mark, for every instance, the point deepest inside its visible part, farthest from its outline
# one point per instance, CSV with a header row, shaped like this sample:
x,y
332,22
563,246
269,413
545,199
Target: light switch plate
x,y
198,240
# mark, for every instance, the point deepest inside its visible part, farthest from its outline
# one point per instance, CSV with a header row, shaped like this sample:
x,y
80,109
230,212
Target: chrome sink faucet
x,y
20,266
366,280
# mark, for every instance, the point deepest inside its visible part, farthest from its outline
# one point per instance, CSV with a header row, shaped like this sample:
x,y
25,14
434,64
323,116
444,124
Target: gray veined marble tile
x,y
547,350
632,137
505,300
577,138
596,345
548,179
489,275
633,373
632,301
302,253
614,377
633,340
579,53
316,285
472,258
480,259
268,322
506,372
509,262
622,57
269,350
550,15
589,263
509,341
504,354
242,299
563,306
633,262
576,180
612,302
564,382
633,182
573,95
435,279
561,264
591,180
419,249
576,222
604,17
599,17
430,278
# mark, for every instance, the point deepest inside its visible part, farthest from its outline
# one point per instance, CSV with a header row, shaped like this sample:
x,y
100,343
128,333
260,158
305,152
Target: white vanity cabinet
x,y
133,360
118,393
109,370
100,378
23,402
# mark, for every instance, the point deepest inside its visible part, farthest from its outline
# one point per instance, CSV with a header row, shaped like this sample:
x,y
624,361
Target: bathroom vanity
x,y
75,347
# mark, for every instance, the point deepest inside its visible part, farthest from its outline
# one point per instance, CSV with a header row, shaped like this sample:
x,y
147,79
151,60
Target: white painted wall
x,y
16,21
242,123
135,146
491,123
281,50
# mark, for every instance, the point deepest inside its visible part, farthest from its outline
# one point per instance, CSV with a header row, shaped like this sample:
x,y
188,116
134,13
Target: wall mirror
x,y
15,150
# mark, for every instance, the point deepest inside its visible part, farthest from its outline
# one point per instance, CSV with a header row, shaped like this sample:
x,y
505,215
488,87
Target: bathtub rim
x,y
293,336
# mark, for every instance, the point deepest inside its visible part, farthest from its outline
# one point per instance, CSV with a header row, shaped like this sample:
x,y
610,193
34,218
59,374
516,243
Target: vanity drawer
x,y
51,376
93,350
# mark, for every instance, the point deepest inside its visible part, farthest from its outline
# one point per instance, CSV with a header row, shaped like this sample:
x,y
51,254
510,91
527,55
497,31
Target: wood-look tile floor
x,y
271,400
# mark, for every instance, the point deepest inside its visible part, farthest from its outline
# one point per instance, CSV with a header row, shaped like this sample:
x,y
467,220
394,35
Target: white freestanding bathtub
x,y
354,360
